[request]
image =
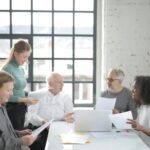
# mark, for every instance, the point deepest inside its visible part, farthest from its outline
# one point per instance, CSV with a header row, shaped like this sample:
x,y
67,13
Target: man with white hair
x,y
115,89
53,104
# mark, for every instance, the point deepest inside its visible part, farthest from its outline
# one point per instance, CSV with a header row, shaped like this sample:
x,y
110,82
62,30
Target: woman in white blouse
x,y
141,96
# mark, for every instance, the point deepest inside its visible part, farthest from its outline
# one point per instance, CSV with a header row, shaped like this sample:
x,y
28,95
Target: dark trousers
x,y
40,142
16,113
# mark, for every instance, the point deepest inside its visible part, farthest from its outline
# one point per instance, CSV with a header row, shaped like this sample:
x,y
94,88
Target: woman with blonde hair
x,y
16,106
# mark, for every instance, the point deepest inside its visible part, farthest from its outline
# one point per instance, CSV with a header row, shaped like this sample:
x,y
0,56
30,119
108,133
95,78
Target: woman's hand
x,y
32,100
28,139
24,132
28,100
135,124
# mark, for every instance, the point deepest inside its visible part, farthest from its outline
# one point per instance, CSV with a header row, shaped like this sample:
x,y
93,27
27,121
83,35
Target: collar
x,y
53,94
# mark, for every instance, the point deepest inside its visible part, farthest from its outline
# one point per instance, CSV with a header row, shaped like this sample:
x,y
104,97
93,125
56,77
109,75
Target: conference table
x,y
114,140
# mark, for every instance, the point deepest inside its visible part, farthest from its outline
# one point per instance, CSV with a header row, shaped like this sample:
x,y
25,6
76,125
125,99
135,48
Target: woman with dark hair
x,y
9,138
16,107
141,96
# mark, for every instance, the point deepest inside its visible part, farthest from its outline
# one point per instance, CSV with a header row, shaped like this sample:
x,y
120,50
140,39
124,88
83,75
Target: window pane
x,y
42,47
83,70
63,4
84,23
84,47
42,23
65,26
42,4
41,69
38,86
4,48
64,67
21,22
63,47
83,93
21,4
5,22
68,89
4,4
80,5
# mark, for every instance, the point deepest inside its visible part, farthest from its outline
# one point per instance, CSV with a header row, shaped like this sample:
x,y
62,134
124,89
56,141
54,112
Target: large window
x,y
62,36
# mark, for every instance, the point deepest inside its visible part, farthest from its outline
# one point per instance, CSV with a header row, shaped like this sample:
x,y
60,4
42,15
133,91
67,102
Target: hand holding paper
x,y
120,120
41,128
135,124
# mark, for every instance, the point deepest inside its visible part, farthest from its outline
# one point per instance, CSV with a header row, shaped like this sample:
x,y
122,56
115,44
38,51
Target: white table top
x,y
99,140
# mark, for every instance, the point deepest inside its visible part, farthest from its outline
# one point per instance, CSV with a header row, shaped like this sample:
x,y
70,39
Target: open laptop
x,y
92,120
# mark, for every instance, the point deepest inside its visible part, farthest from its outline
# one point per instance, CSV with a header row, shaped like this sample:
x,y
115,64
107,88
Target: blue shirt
x,y
17,72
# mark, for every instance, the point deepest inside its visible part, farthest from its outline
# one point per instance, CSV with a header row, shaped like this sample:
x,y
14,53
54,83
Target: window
x,y
62,36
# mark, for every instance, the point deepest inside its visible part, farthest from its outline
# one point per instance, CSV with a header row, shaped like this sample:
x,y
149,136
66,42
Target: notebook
x,y
92,120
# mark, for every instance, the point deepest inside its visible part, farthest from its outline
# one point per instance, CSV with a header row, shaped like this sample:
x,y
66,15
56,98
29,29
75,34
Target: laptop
x,y
92,120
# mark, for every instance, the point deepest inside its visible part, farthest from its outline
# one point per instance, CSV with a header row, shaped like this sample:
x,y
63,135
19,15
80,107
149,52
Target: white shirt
x,y
144,120
144,116
49,106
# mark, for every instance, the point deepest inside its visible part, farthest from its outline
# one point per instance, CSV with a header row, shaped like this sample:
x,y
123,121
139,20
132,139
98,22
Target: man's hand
x,y
116,111
69,118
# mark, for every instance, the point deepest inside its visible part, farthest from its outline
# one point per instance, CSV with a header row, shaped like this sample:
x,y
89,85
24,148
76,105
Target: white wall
x,y
126,41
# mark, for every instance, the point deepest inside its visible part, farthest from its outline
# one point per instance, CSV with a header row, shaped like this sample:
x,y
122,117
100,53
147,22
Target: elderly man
x,y
115,89
53,104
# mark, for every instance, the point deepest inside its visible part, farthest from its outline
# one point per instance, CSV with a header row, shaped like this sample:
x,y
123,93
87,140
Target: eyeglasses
x,y
110,79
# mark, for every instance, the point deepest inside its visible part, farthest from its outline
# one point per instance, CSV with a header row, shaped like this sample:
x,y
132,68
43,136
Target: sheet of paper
x,y
37,131
120,120
105,103
74,138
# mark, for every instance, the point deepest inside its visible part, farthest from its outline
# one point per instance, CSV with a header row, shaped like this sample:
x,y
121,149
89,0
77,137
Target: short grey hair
x,y
119,73
51,76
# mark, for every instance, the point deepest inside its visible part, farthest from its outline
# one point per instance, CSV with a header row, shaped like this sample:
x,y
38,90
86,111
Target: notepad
x,y
74,138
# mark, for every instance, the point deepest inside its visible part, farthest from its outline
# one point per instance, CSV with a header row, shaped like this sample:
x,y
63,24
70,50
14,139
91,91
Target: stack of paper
x,y
74,138
120,120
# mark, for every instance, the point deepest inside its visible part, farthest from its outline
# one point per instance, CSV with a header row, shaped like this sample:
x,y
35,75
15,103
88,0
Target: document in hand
x,y
37,131
105,103
120,120
74,138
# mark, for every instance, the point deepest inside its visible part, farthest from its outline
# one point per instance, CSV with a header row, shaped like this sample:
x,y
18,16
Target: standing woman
x,y
17,104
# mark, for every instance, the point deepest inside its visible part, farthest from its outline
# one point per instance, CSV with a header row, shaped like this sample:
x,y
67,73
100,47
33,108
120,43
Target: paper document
x,y
37,131
74,138
105,103
120,120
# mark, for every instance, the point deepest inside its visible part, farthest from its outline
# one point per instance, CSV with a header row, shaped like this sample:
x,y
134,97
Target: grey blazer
x,y
8,137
